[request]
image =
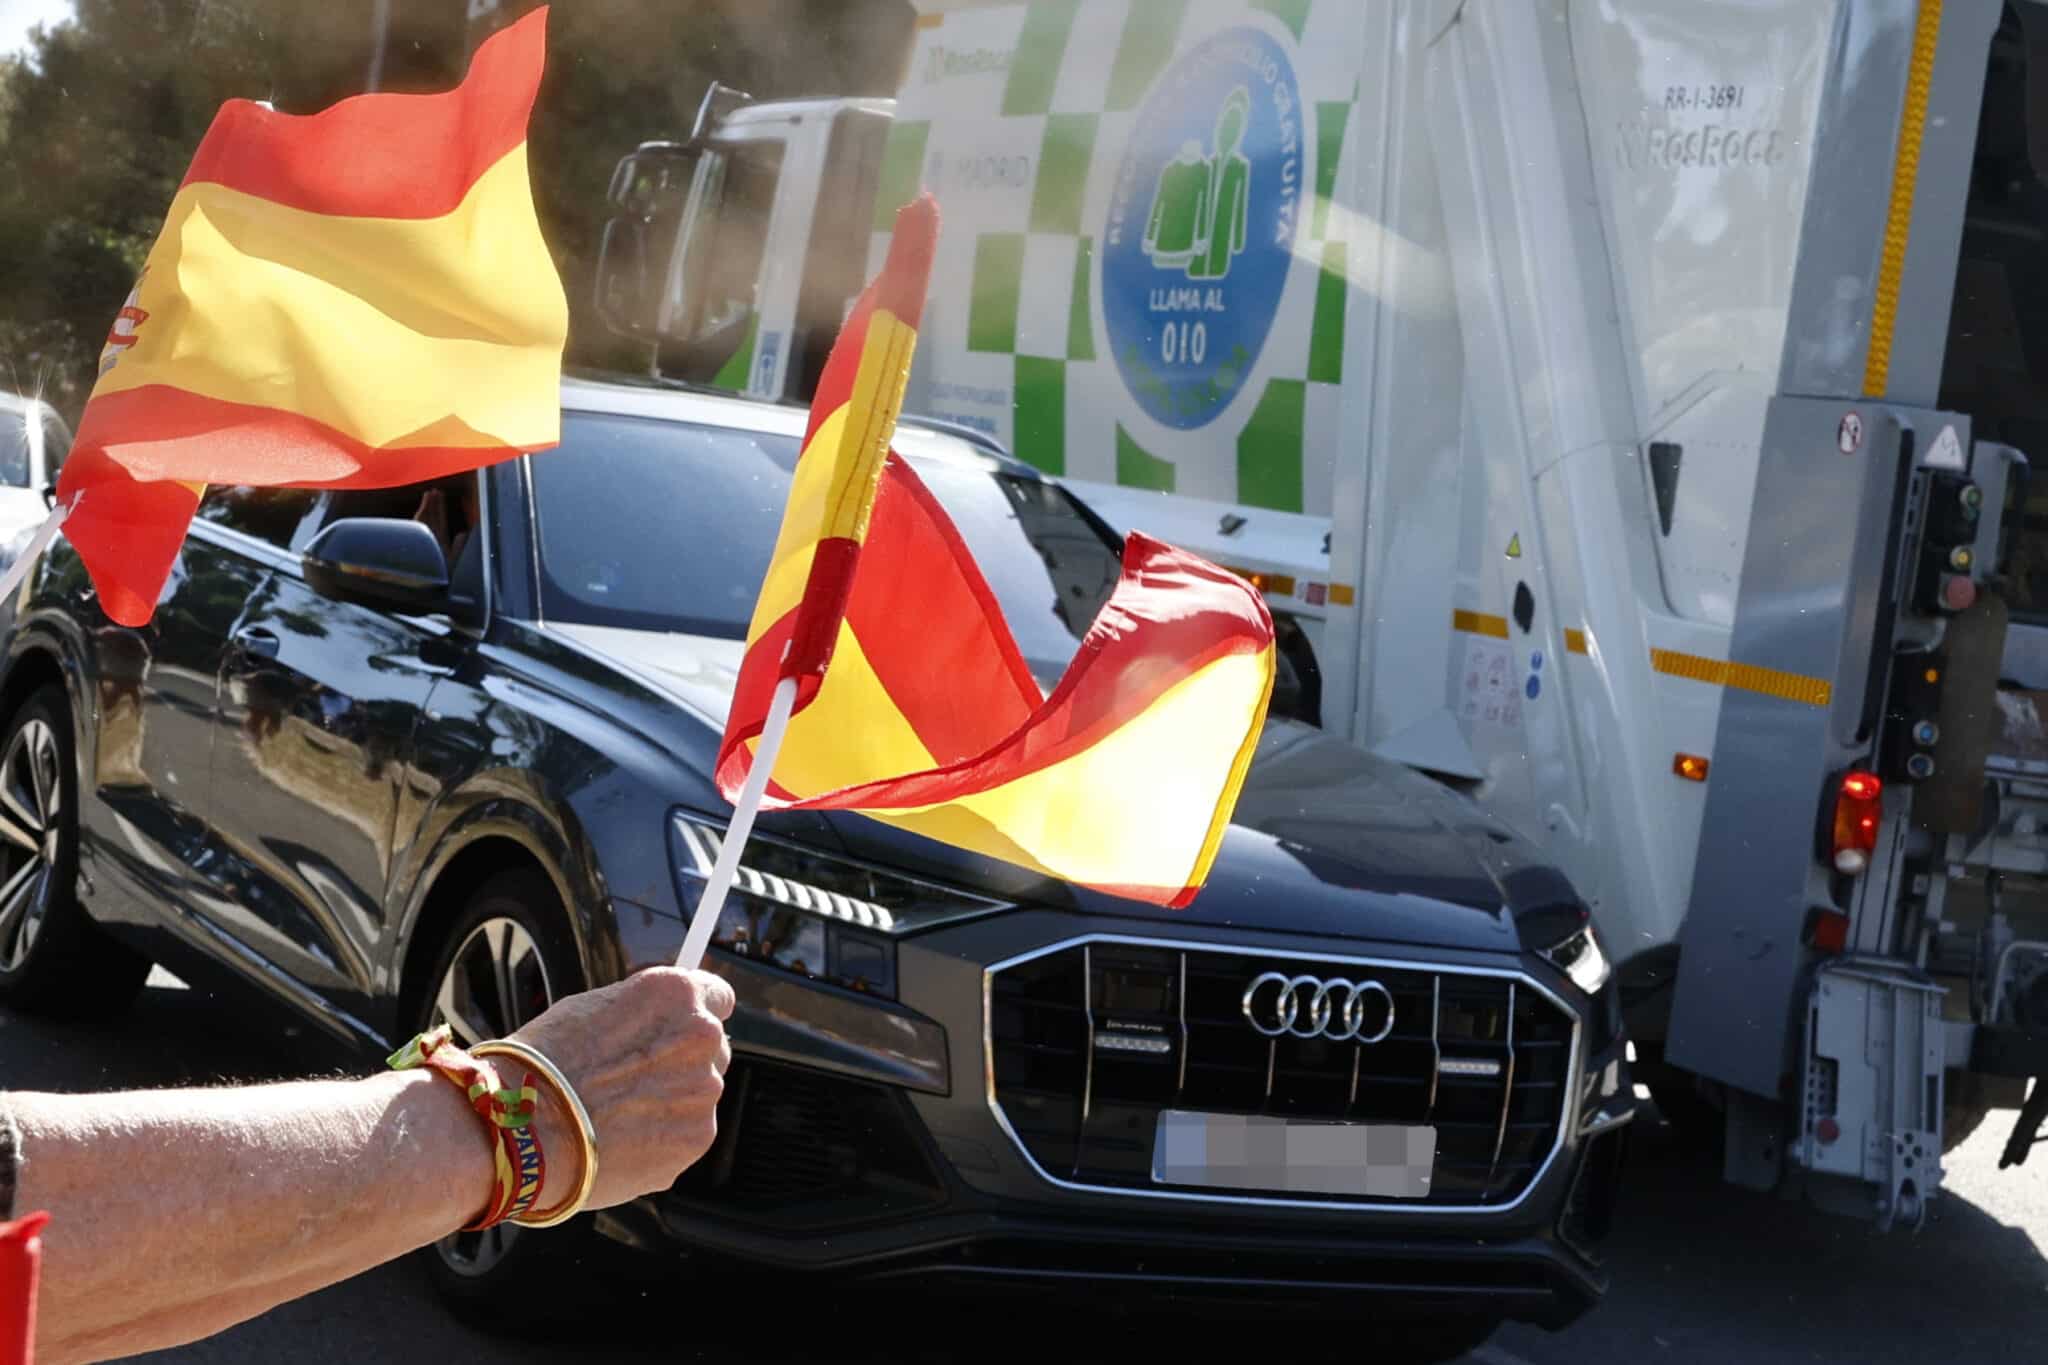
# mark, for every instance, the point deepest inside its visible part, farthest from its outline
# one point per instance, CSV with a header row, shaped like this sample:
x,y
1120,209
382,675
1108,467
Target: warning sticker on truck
x,y
1489,685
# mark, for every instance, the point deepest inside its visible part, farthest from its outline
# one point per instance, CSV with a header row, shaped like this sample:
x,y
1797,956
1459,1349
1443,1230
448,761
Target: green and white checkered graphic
x,y
1016,117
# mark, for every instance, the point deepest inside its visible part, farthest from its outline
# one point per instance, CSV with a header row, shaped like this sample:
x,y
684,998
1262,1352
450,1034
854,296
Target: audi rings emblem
x,y
1310,1007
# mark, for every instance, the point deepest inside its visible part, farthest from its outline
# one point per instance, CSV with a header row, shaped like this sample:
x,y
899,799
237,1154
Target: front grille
x,y
1091,1041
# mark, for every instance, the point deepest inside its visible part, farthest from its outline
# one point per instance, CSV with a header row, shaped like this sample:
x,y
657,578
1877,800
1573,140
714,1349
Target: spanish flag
x,y
356,298
21,1255
914,705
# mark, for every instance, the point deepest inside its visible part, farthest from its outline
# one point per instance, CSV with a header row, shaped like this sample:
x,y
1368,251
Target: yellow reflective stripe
x,y
1750,678
1770,682
1884,307
1479,623
1342,594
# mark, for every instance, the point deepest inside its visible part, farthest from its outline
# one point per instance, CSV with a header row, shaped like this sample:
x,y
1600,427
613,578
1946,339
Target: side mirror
x,y
650,194
383,562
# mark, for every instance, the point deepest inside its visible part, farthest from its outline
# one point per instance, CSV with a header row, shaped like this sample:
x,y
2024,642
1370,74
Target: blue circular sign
x,y
1201,226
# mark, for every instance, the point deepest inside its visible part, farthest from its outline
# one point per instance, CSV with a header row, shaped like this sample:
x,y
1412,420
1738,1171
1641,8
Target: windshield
x,y
655,525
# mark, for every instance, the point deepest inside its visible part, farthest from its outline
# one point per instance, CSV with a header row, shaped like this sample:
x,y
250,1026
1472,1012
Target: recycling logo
x,y
1202,225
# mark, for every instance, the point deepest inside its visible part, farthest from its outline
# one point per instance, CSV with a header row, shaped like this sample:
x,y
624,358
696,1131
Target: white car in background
x,y
33,443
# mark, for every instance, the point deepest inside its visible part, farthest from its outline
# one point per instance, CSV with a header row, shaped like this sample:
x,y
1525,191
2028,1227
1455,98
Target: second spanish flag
x,y
355,298
914,705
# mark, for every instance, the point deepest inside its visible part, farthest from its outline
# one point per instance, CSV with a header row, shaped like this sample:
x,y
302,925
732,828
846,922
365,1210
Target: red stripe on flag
x,y
822,607
760,670
930,627
157,431
383,155
901,286
127,531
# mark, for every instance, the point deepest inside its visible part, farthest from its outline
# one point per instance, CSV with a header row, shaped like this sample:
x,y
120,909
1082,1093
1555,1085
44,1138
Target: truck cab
x,y
728,254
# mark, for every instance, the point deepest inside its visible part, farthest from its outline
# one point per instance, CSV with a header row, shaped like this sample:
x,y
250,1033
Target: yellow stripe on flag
x,y
855,456
413,316
1095,817
789,568
851,732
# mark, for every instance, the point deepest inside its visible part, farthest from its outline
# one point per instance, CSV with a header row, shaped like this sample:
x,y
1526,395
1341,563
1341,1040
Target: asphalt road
x,y
1702,1274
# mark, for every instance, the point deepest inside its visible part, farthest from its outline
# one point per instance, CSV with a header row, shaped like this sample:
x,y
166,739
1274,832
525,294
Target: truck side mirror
x,y
649,192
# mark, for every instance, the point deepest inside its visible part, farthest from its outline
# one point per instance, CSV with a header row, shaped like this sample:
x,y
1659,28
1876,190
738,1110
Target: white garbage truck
x,y
1624,404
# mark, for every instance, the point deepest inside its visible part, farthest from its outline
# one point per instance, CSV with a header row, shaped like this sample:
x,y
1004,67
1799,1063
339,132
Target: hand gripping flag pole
x,y
832,494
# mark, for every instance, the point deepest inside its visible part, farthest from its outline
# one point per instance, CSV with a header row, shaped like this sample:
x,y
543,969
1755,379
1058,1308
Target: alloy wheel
x,y
31,813
496,982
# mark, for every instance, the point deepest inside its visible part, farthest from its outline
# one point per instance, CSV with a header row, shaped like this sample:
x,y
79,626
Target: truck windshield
x,y
655,525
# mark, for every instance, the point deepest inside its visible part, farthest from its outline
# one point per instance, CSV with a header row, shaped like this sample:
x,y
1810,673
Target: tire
x,y
53,959
507,1278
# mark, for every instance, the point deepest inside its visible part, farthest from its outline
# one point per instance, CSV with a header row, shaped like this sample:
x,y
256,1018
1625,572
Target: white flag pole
x,y
744,810
37,543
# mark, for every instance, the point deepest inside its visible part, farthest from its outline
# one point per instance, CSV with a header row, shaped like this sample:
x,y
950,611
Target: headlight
x,y
1580,957
809,912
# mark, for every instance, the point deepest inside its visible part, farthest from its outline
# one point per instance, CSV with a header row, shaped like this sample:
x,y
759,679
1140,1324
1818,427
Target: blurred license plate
x,y
1293,1156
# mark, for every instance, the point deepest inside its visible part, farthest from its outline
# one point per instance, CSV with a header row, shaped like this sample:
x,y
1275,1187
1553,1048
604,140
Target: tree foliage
x,y
100,116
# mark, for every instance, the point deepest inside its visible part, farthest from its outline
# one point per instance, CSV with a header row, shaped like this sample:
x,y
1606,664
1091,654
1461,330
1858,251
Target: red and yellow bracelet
x,y
519,1167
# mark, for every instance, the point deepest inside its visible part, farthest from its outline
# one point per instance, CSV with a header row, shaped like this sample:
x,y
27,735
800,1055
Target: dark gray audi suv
x,y
383,759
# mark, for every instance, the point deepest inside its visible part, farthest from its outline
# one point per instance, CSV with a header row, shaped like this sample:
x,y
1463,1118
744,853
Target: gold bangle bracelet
x,y
586,1131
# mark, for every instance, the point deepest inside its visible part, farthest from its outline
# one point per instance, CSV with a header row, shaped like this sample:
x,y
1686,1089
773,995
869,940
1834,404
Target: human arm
x,y
175,1214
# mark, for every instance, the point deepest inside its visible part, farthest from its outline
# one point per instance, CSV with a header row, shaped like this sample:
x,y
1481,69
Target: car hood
x,y
1326,839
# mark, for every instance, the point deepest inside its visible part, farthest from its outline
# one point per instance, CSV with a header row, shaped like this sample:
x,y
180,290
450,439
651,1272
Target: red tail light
x,y
1858,809
1827,931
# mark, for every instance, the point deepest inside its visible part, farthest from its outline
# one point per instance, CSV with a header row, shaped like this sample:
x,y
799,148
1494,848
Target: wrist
x,y
455,1154
518,1164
